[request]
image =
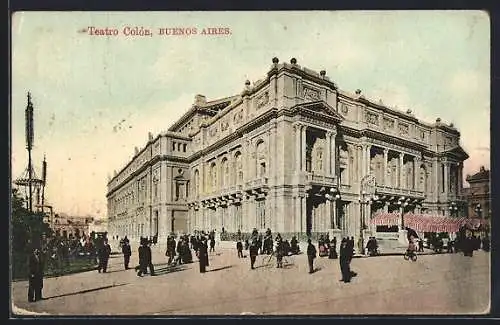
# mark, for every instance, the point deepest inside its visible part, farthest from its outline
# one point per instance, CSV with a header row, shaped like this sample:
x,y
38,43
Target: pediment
x,y
323,108
459,152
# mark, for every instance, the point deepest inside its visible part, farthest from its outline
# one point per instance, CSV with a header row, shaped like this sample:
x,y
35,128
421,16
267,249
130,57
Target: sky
x,y
97,97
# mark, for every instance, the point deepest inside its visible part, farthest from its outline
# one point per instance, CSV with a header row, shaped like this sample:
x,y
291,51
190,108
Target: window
x,y
173,146
261,214
184,146
239,167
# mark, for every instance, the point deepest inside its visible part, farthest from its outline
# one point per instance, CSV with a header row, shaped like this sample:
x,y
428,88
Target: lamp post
x,y
453,209
478,209
364,200
333,197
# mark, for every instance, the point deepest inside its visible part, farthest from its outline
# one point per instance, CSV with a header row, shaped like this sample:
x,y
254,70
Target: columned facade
x,y
288,153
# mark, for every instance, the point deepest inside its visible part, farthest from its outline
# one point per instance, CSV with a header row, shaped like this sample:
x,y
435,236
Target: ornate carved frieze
x,y
371,118
238,116
388,123
344,108
311,94
422,135
315,121
262,100
404,129
224,125
213,131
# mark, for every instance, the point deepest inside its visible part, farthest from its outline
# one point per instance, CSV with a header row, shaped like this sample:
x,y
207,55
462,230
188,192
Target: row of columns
x,y
301,144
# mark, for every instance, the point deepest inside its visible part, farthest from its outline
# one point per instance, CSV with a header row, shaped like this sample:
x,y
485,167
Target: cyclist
x,y
412,248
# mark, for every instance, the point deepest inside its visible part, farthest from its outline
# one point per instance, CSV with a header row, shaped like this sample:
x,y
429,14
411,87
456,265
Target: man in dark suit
x,y
203,255
127,252
311,255
103,253
145,259
345,259
254,248
35,276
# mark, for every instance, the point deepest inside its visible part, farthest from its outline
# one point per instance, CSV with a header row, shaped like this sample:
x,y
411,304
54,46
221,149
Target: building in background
x,y
478,194
70,226
98,226
290,153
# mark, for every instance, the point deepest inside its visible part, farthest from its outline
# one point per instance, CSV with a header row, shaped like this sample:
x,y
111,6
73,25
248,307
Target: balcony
x,y
399,191
322,180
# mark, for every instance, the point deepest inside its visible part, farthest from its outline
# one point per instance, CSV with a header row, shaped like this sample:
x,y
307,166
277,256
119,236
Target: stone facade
x,y
478,194
274,155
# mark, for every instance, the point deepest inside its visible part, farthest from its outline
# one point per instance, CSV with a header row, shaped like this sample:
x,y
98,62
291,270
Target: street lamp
x,y
365,199
333,197
478,209
403,203
453,209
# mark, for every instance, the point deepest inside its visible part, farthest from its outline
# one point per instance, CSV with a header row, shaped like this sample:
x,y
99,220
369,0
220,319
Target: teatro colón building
x,y
294,153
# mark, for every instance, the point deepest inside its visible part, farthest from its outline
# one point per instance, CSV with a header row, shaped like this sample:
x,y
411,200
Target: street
x,y
434,284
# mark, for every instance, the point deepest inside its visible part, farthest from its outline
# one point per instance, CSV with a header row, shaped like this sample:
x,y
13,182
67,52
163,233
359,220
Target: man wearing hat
x,y
145,259
35,276
254,247
311,255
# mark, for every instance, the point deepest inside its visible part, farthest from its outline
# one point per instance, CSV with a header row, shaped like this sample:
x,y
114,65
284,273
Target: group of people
x,y
327,247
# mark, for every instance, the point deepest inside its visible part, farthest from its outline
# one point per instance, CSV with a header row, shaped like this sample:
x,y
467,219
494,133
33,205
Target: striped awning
x,y
423,222
432,223
385,219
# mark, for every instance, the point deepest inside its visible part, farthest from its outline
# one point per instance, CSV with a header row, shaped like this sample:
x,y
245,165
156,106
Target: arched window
x,y
224,168
261,158
196,182
239,167
213,174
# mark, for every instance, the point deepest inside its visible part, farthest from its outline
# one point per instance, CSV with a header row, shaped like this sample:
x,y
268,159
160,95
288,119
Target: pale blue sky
x,y
435,63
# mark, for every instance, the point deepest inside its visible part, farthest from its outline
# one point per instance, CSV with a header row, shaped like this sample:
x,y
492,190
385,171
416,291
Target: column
x,y
298,138
400,170
303,141
334,214
302,214
333,154
446,177
386,157
460,177
386,207
367,148
416,170
296,219
328,160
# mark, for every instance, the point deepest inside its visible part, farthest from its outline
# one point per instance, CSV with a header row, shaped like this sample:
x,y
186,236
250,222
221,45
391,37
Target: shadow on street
x,y
85,291
221,268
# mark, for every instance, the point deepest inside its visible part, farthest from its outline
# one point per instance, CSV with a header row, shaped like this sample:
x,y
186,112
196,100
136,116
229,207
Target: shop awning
x,y
425,222
432,223
385,219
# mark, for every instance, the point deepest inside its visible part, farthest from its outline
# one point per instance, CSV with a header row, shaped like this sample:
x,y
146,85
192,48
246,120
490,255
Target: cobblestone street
x,y
435,284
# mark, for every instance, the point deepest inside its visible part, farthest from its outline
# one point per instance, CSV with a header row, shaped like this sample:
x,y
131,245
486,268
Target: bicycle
x,y
410,256
271,260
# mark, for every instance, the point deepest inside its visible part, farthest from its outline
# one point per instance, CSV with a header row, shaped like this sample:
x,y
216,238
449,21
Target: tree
x,y
27,231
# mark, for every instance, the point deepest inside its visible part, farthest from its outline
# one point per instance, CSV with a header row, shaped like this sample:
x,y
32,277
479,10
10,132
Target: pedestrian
x,y
212,243
279,252
311,255
103,253
239,248
127,252
421,245
145,258
333,249
254,248
345,257
170,249
35,276
203,255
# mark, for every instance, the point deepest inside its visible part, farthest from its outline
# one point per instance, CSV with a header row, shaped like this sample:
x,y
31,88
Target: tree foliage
x,y
27,227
